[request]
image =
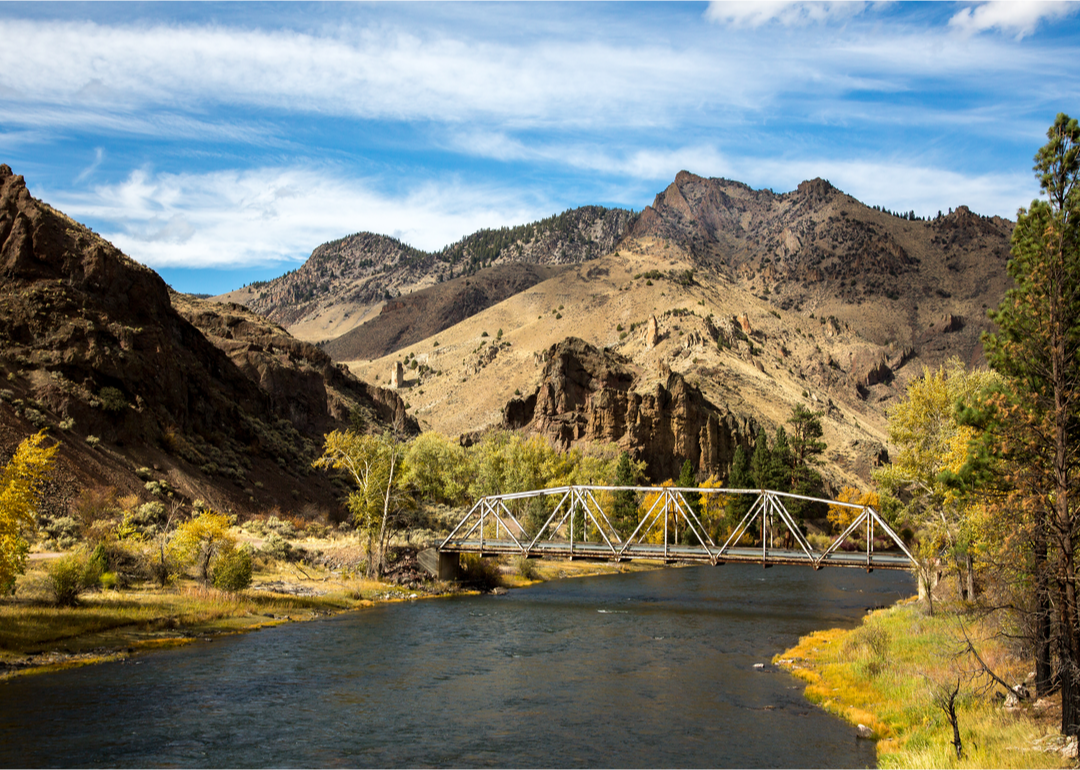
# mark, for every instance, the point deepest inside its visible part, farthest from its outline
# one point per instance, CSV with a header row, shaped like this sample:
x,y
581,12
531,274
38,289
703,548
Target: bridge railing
x,y
573,523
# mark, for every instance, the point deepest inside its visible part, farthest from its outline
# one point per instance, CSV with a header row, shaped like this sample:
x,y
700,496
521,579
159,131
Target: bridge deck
x,y
680,553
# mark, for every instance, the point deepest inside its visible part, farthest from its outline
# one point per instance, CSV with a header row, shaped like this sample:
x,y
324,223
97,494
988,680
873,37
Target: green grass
x,y
36,633
885,673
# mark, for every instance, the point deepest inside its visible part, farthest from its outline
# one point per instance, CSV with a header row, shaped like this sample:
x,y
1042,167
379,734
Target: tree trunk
x,y
926,587
1044,672
969,566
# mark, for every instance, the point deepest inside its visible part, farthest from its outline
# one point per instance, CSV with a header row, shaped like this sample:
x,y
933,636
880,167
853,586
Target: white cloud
x,y
899,185
1012,18
789,13
175,79
258,216
630,161
376,73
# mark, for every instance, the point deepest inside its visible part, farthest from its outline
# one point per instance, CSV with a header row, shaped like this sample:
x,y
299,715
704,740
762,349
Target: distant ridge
x,y
351,277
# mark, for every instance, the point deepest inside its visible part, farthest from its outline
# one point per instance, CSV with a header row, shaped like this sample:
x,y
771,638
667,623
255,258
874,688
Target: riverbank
x,y
37,637
890,674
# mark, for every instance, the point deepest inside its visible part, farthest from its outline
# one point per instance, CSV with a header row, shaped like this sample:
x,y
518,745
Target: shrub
x,y
158,488
232,569
93,440
148,517
68,578
67,423
61,530
145,474
112,399
525,568
276,547
480,572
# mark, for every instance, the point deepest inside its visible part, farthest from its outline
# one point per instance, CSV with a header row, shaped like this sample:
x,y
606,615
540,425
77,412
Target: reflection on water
x,y
652,669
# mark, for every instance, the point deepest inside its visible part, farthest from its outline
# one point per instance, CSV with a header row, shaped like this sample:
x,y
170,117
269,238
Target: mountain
x,y
896,280
346,282
214,401
414,317
756,300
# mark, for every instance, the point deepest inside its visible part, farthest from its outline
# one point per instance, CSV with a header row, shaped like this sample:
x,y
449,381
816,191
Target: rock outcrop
x,y
92,347
303,383
590,395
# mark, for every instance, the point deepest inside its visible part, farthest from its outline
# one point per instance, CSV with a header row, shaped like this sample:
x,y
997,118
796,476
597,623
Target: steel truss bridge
x,y
578,527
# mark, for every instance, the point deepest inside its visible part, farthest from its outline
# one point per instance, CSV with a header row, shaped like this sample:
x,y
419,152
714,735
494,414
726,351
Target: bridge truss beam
x,y
577,526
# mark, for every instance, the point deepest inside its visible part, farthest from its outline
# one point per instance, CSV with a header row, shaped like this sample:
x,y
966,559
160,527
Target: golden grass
x,y
884,675
37,635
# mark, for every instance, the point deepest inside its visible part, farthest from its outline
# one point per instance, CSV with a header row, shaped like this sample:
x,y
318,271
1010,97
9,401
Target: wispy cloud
x,y
254,216
903,186
1010,17
789,13
110,74
86,173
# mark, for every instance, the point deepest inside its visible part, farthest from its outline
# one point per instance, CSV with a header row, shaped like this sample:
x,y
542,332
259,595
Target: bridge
x,y
573,523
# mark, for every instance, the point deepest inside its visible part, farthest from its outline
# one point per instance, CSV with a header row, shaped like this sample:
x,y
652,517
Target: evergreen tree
x,y
624,512
806,448
687,478
739,478
778,474
760,461
1037,347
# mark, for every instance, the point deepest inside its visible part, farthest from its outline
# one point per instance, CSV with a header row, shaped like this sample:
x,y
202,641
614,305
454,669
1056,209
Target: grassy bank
x,y
37,636
890,673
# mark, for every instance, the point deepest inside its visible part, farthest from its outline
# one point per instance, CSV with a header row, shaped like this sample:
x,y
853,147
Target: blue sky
x,y
220,143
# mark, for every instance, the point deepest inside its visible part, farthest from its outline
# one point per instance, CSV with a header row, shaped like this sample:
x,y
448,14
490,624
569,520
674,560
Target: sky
x,y
221,143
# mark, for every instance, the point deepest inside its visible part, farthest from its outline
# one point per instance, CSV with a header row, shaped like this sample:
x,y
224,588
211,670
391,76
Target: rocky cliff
x,y
591,395
92,349
891,277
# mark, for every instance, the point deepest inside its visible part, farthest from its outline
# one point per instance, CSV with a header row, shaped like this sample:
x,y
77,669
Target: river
x,y
650,669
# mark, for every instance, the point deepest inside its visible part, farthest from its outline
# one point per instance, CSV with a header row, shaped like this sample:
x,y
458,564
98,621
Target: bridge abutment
x,y
444,566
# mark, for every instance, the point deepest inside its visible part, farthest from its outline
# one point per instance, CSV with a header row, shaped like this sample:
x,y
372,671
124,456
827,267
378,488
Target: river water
x,y
651,669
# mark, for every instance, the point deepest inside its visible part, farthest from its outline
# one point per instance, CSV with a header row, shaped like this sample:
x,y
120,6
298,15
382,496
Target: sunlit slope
x,y
459,386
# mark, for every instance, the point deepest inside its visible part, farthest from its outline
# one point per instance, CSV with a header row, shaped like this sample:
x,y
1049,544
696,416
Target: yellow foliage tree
x,y
841,515
20,483
198,541
375,464
714,510
930,442
656,527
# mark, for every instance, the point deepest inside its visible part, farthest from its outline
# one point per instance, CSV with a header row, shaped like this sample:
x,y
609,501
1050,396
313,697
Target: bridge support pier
x,y
444,566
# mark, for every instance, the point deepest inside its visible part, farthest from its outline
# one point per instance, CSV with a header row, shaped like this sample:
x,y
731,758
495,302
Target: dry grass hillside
x,y
464,376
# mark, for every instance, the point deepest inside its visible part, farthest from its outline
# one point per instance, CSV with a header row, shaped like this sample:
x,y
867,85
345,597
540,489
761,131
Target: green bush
x,y
68,577
525,568
148,518
232,569
112,399
277,547
61,530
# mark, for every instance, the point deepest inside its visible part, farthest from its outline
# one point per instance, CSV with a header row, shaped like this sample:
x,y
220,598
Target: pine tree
x,y
624,514
687,478
1037,347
